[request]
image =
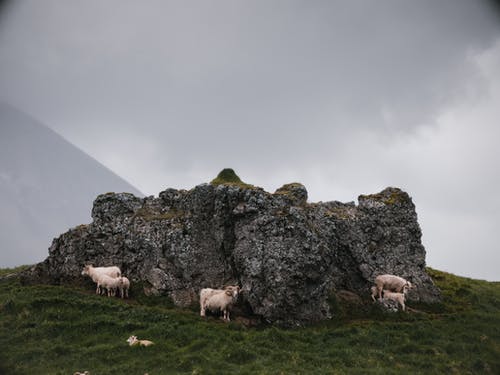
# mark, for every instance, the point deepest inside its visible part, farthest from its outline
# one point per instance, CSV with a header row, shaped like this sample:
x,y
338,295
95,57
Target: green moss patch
x,y
229,177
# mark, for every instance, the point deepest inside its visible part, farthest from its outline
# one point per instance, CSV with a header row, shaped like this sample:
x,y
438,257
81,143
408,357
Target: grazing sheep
x,y
392,283
95,272
208,292
133,340
374,292
124,286
398,297
110,283
82,373
222,301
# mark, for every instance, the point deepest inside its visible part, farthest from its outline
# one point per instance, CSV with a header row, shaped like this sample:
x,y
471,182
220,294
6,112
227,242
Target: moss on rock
x,y
229,177
388,196
295,191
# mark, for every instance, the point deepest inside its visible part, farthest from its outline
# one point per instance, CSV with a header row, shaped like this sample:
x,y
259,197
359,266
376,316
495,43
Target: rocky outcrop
x,y
288,255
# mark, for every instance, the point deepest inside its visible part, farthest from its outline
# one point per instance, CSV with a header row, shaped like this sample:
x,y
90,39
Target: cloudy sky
x,y
347,97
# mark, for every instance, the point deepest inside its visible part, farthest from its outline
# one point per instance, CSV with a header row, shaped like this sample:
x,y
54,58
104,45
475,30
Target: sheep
x,y
124,286
82,373
222,301
94,273
110,283
398,297
208,292
374,292
392,283
133,340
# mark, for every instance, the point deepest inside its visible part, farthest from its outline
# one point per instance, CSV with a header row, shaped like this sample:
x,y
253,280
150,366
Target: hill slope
x,y
47,185
60,330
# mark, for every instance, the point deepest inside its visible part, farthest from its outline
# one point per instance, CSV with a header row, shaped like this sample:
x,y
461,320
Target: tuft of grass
x,y
229,177
61,329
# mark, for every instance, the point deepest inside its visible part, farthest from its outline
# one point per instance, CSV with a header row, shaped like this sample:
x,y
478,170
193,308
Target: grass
x,y
60,330
229,177
5,272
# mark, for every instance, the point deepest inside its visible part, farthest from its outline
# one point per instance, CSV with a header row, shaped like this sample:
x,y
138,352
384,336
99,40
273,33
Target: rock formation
x,y
287,254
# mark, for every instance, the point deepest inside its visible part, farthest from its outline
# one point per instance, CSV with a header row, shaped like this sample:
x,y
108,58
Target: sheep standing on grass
x,y
95,272
124,286
133,340
391,283
111,284
398,297
222,301
206,293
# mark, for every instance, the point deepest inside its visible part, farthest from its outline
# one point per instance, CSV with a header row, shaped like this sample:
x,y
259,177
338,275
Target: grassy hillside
x,y
60,330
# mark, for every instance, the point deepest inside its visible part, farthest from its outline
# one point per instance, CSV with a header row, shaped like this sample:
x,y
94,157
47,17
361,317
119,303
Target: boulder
x,y
288,255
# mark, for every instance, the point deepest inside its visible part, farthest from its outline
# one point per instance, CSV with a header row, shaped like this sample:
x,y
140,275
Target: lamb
x,y
94,273
208,292
374,292
398,297
124,286
133,340
110,283
392,283
222,301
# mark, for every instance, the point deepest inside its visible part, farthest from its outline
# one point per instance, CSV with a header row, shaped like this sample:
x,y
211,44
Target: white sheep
x,y
124,286
392,283
208,292
110,283
395,296
82,373
95,272
133,340
222,301
374,292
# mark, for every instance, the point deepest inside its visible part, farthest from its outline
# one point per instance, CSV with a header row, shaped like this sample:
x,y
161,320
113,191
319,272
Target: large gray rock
x,y
287,254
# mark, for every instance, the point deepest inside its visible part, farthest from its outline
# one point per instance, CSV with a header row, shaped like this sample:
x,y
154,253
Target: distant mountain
x,y
47,185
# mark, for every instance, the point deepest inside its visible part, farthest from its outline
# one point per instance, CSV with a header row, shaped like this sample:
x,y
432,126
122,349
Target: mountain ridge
x,y
46,186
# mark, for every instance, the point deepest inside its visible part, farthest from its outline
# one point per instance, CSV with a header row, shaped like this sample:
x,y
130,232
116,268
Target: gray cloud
x,y
347,97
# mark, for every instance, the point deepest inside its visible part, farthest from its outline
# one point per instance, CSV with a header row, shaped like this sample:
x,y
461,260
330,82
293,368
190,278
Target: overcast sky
x,y
347,97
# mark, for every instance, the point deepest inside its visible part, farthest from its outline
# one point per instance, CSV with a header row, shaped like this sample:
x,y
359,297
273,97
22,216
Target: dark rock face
x,y
287,254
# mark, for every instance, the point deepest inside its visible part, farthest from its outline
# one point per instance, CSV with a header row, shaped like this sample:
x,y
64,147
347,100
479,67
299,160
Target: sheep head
x,y
132,340
86,269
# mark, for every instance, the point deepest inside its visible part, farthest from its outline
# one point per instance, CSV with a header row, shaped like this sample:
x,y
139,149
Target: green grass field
x,y
60,330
